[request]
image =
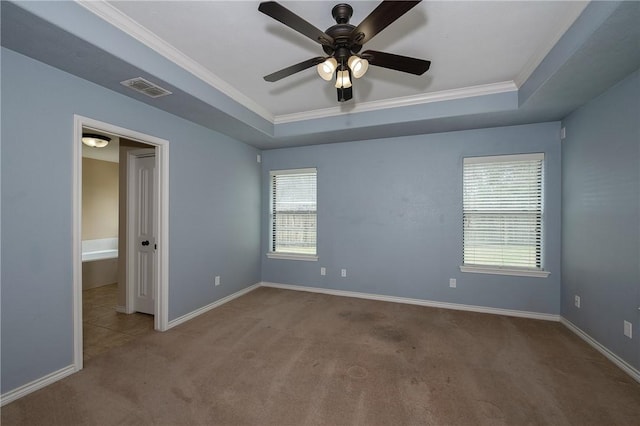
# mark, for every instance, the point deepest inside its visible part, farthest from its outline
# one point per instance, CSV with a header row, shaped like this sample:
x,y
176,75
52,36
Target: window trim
x,y
281,254
494,270
499,270
292,256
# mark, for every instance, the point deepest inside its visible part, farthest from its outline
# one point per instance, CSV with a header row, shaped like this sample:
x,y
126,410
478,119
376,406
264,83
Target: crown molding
x,y
423,98
124,23
535,60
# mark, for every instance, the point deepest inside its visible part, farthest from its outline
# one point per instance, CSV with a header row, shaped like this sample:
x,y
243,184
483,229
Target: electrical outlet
x,y
628,329
323,271
452,282
259,158
576,301
343,273
216,280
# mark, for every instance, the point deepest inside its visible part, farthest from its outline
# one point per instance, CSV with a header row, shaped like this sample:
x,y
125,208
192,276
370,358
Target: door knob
x,y
145,243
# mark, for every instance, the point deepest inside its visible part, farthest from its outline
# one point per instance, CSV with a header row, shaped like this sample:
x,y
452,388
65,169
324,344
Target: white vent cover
x,y
141,85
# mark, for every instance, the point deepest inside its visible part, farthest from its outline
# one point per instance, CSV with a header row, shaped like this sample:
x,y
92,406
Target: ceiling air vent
x,y
141,85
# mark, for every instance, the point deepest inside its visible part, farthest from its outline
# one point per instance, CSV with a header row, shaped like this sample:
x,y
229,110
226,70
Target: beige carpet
x,y
277,357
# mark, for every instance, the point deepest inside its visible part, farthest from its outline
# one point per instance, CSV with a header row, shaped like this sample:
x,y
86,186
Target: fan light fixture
x,y
357,65
95,141
327,68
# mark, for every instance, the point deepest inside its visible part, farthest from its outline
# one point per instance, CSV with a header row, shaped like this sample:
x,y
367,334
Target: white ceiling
x,y
493,63
232,45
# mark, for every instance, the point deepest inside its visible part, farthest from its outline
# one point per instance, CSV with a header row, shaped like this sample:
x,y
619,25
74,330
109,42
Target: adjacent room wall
x,y
390,212
99,217
601,218
214,212
99,199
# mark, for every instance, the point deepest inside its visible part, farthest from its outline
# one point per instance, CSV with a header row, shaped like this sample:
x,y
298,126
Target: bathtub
x,y
99,262
101,249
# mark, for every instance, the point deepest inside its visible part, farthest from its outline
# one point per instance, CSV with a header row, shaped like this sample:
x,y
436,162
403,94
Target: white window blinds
x,y
503,211
293,211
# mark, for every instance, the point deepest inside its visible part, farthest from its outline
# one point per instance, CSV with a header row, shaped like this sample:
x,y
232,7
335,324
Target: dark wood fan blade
x,y
396,62
291,20
286,72
381,17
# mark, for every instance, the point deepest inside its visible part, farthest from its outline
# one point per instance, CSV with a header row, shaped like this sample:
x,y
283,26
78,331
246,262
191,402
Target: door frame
x,y
161,306
131,214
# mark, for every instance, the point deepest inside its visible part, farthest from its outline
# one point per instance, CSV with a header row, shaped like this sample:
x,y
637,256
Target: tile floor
x,y
103,328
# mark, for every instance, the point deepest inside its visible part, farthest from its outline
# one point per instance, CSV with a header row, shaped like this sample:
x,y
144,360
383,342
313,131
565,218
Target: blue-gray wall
x,y
601,217
214,213
390,212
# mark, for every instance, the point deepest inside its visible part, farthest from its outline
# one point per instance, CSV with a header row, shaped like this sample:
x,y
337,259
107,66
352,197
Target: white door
x,y
144,218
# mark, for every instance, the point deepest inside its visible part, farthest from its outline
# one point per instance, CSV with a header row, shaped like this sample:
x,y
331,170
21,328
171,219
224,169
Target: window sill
x,y
504,271
293,256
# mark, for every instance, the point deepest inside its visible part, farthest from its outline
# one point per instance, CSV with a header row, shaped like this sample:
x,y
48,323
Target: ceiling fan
x,y
342,43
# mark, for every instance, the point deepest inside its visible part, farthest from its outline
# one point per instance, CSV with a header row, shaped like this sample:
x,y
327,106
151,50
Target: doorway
x,y
154,265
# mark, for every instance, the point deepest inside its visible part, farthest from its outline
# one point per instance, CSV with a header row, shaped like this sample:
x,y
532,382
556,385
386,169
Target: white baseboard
x,y
622,364
121,309
420,302
210,306
35,385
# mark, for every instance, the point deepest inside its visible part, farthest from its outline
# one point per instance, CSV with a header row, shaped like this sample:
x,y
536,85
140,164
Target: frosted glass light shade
x,y
358,66
95,141
327,68
343,80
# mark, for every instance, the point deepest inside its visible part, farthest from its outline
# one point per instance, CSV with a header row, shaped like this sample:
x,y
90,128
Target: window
x,y
293,214
503,214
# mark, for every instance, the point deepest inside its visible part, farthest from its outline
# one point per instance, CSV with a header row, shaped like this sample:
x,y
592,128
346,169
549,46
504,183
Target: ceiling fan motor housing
x,y
341,33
